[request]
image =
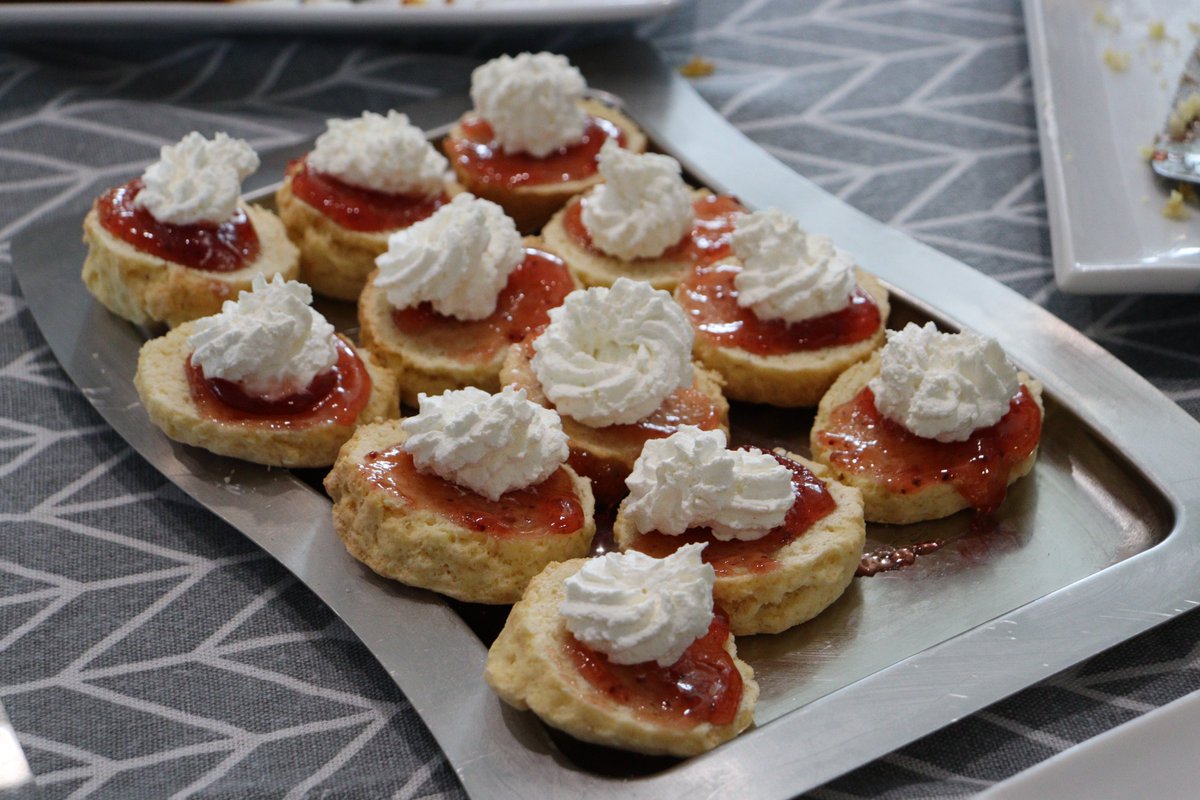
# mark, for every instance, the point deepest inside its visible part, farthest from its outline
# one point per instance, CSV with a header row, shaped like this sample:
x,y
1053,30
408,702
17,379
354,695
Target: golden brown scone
x,y
162,385
595,268
335,261
420,547
425,364
146,289
813,570
792,379
529,668
598,444
881,504
531,205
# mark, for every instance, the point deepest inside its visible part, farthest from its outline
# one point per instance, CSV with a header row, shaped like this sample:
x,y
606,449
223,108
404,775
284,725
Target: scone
x,y
785,317
428,531
301,426
908,477
531,142
162,249
684,708
364,179
784,539
442,309
616,363
643,222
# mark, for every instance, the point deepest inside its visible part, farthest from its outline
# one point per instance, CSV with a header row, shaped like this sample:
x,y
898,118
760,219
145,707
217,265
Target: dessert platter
x,y
278,16
816,562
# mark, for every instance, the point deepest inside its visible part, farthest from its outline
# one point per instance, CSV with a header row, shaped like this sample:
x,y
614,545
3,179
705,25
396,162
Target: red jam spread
x,y
359,209
213,247
551,506
861,440
538,284
710,299
335,397
813,502
488,164
707,242
704,685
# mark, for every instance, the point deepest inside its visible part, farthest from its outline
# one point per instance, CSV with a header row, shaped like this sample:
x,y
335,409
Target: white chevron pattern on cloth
x,y
148,650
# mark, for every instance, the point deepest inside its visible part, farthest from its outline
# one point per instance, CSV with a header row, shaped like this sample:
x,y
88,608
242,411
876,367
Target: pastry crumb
x,y
1186,112
1194,27
697,67
1146,152
1116,60
1157,31
1175,209
1105,19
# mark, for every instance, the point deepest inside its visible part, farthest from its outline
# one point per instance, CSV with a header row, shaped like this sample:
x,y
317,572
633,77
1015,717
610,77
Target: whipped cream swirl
x,y
384,154
269,340
788,274
197,179
531,101
489,443
642,208
611,356
943,386
689,480
635,608
457,260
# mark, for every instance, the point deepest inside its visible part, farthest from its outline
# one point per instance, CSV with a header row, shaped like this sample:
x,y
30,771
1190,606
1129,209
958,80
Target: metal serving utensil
x,y
1178,158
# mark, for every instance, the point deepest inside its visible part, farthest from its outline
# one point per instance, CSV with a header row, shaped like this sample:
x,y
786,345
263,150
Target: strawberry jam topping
x,y
861,440
538,284
488,164
708,241
704,685
709,297
551,506
359,209
212,247
812,502
335,397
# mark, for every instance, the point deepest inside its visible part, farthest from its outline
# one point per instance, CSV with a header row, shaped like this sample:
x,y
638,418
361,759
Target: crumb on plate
x,y
1175,209
1186,112
1116,60
1157,31
1105,19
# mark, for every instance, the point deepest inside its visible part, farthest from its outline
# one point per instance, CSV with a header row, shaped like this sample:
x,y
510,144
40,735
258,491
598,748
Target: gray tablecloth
x,y
148,650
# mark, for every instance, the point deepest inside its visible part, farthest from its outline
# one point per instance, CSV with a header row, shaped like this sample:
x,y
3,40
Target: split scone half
x,y
606,455
165,389
530,666
792,379
566,234
146,289
393,527
905,499
531,204
334,260
765,589
446,353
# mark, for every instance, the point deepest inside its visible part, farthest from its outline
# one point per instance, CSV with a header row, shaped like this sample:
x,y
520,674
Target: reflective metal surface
x,y
1100,544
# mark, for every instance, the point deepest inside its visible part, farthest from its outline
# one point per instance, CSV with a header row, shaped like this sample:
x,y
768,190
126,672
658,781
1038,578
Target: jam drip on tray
x,y
540,283
551,506
861,440
704,685
478,154
812,502
212,247
707,242
709,297
359,209
335,397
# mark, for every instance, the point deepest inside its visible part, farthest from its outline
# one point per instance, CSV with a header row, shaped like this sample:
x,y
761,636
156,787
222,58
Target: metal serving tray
x,y
1099,544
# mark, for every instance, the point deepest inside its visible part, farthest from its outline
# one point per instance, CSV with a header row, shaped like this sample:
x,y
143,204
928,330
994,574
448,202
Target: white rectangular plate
x,y
1105,204
81,19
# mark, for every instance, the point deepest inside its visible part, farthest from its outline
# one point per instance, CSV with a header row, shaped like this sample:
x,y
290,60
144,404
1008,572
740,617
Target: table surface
x,y
149,650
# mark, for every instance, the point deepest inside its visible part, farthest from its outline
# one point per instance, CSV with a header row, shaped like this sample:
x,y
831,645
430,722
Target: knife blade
x,y
1176,154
